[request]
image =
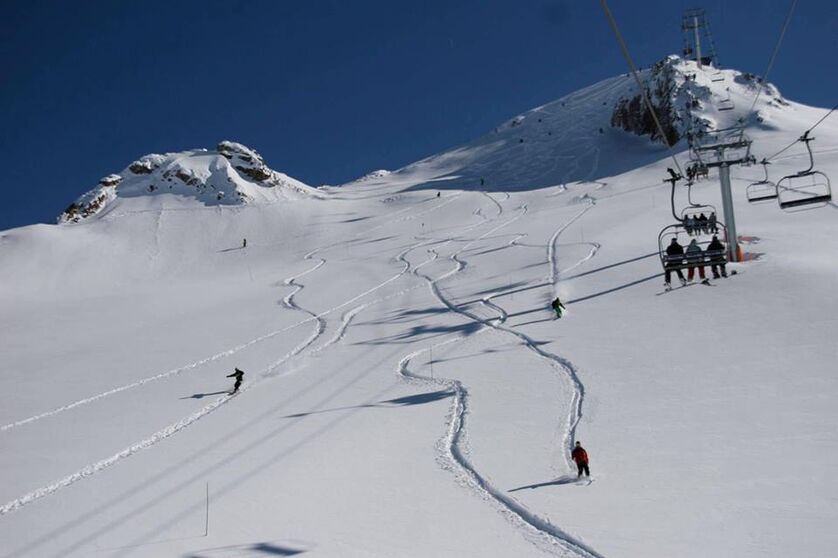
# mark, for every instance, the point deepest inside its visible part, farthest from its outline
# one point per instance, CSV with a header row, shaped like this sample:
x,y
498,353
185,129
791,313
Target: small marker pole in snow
x,y
206,516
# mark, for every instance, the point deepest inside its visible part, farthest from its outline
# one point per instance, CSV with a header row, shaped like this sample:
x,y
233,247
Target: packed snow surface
x,y
407,391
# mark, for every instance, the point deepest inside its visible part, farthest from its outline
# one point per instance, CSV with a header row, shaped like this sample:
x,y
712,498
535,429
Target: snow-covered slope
x,y
592,133
407,392
232,174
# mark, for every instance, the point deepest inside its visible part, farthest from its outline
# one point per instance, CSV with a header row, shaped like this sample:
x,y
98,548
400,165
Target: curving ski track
x,y
548,535
263,374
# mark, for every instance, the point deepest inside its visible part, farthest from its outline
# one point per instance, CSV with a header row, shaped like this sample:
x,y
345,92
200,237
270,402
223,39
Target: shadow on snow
x,y
418,399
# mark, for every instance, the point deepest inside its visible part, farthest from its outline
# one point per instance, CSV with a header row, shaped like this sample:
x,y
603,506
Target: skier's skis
x,y
674,289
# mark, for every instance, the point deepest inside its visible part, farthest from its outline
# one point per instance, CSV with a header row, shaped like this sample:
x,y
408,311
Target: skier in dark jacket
x,y
716,251
238,374
557,307
702,224
580,456
673,251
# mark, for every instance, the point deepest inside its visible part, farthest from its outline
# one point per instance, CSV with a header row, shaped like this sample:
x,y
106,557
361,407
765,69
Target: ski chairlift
x,y
682,261
695,227
807,187
695,210
727,102
728,144
697,169
762,190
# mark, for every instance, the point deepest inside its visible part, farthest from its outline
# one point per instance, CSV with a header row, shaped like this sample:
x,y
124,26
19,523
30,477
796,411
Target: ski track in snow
x,y
548,536
266,373
551,245
231,351
542,528
168,431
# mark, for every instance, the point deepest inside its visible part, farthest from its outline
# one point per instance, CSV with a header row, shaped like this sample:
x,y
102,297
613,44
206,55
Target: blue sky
x,y
329,90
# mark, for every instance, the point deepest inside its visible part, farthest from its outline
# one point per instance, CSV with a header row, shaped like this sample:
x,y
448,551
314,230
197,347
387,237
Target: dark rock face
x,y
110,181
141,167
259,173
245,160
147,164
75,212
632,115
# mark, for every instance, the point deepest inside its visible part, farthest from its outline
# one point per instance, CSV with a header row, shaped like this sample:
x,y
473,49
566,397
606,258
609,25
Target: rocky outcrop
x,y
81,209
147,164
245,160
111,180
632,114
232,175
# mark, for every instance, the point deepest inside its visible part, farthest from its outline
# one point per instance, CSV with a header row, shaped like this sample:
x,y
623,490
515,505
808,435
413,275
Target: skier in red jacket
x,y
580,456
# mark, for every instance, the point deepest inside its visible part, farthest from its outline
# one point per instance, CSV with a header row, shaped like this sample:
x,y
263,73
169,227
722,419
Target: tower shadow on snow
x,y
255,550
407,401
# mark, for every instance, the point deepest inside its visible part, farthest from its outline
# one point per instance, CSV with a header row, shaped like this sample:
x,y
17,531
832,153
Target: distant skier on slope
x,y
238,375
557,307
244,243
580,456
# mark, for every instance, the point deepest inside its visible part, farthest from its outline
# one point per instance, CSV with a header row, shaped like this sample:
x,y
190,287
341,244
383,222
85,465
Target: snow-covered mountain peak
x,y
603,130
232,174
692,99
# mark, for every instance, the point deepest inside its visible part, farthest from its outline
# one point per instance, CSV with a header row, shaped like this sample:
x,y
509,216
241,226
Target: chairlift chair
x,y
806,188
762,190
726,103
697,169
679,262
694,211
697,209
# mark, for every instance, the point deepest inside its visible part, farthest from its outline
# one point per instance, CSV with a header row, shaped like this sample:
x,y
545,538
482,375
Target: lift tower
x,y
722,149
696,28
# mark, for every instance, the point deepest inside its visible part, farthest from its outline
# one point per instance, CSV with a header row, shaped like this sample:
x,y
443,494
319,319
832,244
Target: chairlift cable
x,y
822,119
774,54
804,134
633,69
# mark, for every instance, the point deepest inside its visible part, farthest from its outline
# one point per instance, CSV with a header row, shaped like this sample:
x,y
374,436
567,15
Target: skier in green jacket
x,y
558,307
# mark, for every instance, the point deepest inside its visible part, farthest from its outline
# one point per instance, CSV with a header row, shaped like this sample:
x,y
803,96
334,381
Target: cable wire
x,y
633,70
774,54
804,133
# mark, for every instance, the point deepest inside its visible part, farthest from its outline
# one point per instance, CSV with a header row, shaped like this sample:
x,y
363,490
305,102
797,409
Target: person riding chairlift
x,y
701,223
673,251
716,251
695,255
689,225
711,223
